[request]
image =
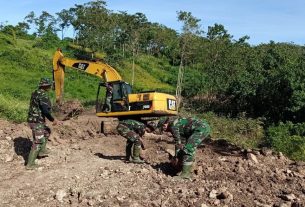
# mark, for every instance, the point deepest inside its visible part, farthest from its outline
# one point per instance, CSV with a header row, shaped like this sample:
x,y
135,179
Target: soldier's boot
x,y
128,151
44,151
31,159
186,172
136,154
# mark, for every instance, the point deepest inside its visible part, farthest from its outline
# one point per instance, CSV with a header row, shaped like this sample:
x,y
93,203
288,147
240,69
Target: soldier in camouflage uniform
x,y
188,133
40,108
132,130
109,91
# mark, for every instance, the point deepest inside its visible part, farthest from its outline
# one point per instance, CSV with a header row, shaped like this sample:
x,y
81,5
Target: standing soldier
x,y
109,91
132,130
40,108
188,133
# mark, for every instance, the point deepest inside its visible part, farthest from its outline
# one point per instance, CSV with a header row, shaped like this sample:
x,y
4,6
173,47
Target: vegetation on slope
x,y
223,76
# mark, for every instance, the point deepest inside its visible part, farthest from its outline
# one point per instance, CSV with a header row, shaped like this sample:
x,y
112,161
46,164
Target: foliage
x,y
288,138
23,65
243,132
226,76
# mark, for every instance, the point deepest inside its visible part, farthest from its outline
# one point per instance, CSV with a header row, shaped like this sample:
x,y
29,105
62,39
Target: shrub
x,y
288,138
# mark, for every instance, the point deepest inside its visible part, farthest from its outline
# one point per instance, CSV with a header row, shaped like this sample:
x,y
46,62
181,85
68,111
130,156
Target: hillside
x,y
23,64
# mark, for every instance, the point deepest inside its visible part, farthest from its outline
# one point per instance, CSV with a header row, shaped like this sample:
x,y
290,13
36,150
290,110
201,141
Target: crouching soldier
x,y
188,133
132,130
39,109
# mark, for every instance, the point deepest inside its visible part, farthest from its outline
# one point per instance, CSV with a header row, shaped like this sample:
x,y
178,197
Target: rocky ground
x,y
86,168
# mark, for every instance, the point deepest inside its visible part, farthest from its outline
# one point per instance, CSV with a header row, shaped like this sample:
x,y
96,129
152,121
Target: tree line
x,y
215,72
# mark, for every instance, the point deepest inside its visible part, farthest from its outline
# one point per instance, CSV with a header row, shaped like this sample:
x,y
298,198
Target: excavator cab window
x,y
119,101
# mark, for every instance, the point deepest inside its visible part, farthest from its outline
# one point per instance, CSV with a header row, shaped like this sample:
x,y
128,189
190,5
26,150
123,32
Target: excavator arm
x,y
98,68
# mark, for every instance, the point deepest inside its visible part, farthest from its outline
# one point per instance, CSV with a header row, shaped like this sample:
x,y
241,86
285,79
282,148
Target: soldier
x,y
132,130
40,108
188,133
109,91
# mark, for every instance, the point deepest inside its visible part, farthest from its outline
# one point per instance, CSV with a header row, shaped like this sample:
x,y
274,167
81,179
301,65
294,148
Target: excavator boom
x,y
98,68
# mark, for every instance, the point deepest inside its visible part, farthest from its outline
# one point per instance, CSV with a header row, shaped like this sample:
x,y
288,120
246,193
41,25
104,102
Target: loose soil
x,y
86,168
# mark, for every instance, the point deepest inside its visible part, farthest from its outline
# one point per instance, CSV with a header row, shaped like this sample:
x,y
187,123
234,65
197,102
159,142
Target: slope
x,y
23,64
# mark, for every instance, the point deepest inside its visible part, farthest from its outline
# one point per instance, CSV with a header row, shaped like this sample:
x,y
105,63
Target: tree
x,y
190,29
64,18
45,23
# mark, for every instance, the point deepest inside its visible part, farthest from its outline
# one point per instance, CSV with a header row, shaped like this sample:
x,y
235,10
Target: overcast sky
x,y
262,20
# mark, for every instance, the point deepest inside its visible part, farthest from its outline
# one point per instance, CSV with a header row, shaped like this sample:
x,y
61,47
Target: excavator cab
x,y
119,100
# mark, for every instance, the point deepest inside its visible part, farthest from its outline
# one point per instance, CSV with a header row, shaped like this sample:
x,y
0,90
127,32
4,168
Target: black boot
x,y
128,150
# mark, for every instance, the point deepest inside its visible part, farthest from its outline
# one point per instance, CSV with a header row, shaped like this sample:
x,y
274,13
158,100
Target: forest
x,y
209,70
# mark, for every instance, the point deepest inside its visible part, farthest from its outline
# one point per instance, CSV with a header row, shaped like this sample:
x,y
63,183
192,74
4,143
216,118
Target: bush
x,y
288,138
242,132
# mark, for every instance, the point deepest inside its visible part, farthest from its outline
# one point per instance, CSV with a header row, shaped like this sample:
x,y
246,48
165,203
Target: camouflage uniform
x,y
109,91
132,130
39,109
188,133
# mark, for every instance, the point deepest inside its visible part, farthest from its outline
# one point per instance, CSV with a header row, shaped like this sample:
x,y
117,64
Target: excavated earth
x,y
86,168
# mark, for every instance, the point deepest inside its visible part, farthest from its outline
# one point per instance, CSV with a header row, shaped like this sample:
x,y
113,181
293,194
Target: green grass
x,y
242,132
144,80
13,109
22,66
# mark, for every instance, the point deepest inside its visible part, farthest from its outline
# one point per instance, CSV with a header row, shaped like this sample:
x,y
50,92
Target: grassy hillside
x,y
22,66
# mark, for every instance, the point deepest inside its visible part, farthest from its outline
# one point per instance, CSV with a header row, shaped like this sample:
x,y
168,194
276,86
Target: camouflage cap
x,y
45,82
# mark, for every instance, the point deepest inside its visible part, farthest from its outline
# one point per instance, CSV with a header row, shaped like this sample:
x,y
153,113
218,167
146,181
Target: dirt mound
x,y
86,168
68,109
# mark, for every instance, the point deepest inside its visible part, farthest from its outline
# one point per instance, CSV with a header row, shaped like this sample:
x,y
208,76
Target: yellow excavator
x,y
124,103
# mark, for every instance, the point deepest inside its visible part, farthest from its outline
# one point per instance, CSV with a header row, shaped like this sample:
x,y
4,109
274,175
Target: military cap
x,y
45,82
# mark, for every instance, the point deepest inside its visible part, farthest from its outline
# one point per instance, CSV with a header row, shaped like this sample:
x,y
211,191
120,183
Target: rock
x,y
60,194
285,204
8,138
288,197
213,194
216,202
266,152
90,202
252,157
280,156
199,170
241,170
204,205
256,152
200,191
75,147
9,157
